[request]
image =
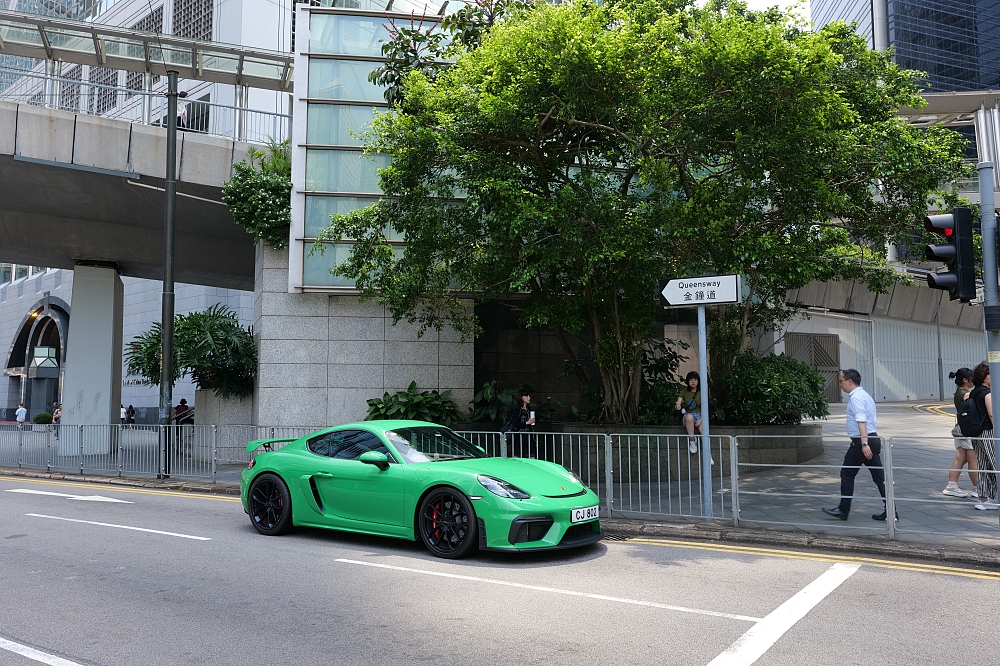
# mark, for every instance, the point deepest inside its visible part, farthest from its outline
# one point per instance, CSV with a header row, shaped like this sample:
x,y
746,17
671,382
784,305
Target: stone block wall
x,y
322,356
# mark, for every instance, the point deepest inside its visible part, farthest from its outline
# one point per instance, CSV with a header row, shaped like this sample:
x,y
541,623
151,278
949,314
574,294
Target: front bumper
x,y
535,524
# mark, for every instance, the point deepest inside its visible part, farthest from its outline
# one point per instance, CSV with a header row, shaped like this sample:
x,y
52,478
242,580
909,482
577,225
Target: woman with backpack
x,y
983,443
964,453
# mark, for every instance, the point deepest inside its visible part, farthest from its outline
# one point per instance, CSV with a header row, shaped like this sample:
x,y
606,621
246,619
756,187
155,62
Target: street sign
x,y
703,291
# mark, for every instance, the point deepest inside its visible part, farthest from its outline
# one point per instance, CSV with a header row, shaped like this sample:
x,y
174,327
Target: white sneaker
x,y
954,491
692,445
988,506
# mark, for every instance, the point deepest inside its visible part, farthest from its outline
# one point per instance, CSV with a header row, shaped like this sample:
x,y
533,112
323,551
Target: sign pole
x,y
706,439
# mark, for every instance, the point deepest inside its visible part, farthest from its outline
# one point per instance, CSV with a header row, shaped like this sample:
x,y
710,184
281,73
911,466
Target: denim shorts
x,y
696,415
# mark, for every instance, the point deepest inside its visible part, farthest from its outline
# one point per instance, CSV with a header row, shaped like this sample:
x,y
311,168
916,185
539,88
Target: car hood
x,y
535,477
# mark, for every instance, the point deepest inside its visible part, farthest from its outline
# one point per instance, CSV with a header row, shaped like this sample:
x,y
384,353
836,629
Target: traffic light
x,y
957,254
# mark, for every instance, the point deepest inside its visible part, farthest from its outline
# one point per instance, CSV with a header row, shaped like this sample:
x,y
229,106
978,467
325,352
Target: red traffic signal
x,y
957,254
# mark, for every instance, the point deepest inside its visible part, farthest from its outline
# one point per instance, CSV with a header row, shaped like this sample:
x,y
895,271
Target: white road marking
x,y
83,498
571,593
36,655
750,646
121,527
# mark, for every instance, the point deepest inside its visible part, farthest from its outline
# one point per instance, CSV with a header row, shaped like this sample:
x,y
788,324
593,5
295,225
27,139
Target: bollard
x,y
890,495
734,477
608,476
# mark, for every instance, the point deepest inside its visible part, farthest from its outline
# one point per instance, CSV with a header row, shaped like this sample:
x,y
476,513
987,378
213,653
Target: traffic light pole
x,y
991,313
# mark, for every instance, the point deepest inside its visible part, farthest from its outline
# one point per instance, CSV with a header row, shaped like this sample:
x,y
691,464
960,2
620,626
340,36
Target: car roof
x,y
383,425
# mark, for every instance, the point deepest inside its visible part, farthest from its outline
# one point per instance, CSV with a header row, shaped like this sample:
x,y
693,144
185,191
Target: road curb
x,y
708,532
704,532
184,486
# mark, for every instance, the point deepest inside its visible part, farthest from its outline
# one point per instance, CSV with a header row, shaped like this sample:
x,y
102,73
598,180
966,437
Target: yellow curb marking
x,y
817,557
938,410
122,489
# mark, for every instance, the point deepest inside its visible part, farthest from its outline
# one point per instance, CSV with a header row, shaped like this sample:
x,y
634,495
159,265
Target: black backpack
x,y
971,418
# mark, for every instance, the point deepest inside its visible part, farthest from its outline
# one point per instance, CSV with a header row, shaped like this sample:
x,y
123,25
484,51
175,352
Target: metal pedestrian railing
x,y
632,475
756,480
142,106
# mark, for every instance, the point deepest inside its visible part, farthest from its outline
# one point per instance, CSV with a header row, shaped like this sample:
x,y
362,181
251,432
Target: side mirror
x,y
380,460
481,448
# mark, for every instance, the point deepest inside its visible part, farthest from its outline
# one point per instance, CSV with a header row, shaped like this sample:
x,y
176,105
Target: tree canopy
x,y
574,154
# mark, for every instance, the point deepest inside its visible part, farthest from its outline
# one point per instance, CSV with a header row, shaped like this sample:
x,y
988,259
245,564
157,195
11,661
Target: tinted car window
x,y
347,444
431,444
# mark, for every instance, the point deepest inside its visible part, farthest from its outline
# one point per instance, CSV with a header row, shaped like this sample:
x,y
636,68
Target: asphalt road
x,y
77,588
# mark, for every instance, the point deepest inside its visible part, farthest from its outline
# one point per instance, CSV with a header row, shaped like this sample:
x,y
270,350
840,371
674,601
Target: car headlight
x,y
574,476
502,488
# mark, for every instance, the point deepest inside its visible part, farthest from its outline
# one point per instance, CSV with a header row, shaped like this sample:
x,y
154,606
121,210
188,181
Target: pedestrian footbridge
x,y
77,188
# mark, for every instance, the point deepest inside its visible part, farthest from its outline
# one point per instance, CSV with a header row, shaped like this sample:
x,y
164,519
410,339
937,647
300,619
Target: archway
x,y
36,355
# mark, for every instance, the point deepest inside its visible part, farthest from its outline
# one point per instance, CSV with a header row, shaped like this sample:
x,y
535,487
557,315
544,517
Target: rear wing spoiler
x,y
266,443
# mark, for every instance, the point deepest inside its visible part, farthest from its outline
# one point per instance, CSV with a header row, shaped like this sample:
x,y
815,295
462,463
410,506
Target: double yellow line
x,y
939,410
817,557
83,488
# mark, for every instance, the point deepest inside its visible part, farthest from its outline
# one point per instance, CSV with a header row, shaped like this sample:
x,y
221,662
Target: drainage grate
x,y
615,537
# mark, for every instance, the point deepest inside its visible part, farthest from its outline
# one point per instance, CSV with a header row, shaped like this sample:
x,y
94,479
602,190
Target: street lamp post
x,y
167,330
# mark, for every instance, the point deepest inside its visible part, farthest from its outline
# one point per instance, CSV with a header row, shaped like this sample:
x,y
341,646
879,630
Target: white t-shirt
x,y
22,415
123,412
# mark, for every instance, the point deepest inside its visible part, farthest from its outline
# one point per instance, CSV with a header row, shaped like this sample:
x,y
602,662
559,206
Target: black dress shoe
x,y
835,512
881,516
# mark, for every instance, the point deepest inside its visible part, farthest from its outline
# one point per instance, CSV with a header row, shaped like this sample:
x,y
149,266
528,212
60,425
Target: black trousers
x,y
852,465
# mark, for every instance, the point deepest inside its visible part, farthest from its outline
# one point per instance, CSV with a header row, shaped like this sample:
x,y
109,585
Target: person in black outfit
x,y
520,420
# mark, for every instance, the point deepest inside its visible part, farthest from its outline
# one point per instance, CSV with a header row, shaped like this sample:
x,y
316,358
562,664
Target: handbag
x,y
957,431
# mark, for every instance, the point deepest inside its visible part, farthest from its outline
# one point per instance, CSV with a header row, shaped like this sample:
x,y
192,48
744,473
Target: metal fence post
x,y
120,452
215,450
734,474
890,494
609,483
81,449
20,444
48,454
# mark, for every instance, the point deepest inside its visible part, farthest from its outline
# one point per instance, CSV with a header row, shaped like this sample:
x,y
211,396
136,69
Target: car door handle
x,y
325,475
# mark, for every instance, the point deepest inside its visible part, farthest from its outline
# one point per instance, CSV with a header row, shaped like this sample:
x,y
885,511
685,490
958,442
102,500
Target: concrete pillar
x,y
92,387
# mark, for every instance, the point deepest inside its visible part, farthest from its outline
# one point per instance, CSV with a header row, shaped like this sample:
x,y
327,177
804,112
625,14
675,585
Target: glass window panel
x,y
220,63
335,125
18,33
343,171
264,70
316,267
6,273
20,272
337,79
350,35
319,210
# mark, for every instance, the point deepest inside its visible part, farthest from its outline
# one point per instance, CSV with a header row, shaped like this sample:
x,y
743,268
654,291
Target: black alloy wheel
x,y
447,523
270,505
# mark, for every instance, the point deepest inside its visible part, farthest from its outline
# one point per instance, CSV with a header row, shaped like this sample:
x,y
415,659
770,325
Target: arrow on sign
x,y
703,291
81,498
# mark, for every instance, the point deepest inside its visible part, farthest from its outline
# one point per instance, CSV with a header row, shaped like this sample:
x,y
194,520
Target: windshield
x,y
431,444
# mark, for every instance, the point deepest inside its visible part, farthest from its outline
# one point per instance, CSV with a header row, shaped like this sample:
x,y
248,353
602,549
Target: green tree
x,y
259,194
210,346
582,152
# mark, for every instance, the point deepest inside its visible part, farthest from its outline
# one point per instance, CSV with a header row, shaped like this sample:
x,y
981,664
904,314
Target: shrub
x,y
210,346
493,403
769,390
260,192
411,405
42,418
656,404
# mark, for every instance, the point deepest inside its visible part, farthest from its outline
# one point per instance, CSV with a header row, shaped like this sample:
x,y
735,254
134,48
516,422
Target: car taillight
x,y
252,463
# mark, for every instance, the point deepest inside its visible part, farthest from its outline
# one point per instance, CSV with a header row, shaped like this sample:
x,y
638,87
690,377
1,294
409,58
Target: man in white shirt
x,y
865,447
21,414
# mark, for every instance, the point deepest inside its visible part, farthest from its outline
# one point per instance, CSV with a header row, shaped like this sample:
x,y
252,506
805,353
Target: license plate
x,y
588,513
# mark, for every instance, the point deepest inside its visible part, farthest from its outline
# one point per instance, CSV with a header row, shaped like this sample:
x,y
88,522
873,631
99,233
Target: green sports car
x,y
412,479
